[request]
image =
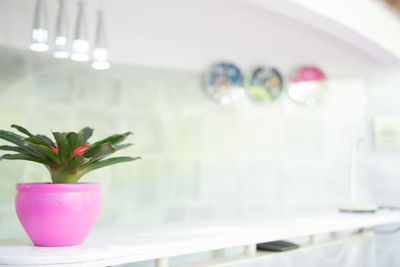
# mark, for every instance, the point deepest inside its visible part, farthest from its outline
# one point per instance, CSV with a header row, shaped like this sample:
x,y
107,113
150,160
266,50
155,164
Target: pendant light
x,y
100,52
61,47
80,45
40,32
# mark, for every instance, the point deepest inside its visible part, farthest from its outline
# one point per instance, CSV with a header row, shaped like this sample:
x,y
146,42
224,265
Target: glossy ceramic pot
x,y
56,215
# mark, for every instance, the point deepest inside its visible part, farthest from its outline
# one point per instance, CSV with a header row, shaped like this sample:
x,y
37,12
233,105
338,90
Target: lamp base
x,y
359,208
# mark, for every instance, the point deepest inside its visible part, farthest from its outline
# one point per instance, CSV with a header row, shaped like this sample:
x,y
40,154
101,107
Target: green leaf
x,y
63,147
19,141
74,140
74,164
111,140
22,130
26,157
45,150
46,140
12,137
85,134
13,148
103,150
122,146
37,141
114,139
93,165
99,151
107,162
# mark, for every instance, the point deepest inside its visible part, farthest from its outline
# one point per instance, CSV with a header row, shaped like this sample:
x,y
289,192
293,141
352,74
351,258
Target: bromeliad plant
x,y
70,156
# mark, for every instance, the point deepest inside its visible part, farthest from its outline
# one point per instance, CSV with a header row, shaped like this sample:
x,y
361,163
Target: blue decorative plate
x,y
224,83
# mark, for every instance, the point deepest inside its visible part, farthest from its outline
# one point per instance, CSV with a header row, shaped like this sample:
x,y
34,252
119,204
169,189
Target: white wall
x,y
379,168
200,161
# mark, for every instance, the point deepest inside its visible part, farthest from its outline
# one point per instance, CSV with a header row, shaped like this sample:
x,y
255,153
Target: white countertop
x,y
116,247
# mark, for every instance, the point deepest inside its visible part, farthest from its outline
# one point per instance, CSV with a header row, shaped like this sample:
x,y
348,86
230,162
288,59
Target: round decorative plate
x,y
266,84
307,85
224,83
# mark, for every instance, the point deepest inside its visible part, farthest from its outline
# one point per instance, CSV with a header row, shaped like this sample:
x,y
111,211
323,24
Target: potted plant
x,y
61,213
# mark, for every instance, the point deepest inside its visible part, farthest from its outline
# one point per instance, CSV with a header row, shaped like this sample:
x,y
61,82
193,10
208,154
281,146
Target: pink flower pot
x,y
56,215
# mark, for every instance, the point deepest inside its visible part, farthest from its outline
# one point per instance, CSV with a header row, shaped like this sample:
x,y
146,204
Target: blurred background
x,y
201,160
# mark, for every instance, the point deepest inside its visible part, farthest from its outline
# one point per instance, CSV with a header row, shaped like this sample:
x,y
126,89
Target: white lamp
x,y
80,44
61,48
40,34
100,52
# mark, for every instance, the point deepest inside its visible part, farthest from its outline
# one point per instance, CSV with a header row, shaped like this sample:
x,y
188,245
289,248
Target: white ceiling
x,y
189,34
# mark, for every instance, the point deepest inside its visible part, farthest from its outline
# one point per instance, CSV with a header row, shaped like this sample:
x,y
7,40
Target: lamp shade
x,y
40,33
100,52
80,44
61,42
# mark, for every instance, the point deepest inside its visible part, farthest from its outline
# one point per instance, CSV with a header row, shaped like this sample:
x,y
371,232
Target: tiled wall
x,y
200,160
382,169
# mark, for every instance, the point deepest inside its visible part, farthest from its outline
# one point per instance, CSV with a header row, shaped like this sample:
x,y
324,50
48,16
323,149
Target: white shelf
x,y
246,260
105,249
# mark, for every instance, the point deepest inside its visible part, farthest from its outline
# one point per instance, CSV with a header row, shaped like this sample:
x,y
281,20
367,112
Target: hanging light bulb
x,y
40,33
100,52
80,45
61,41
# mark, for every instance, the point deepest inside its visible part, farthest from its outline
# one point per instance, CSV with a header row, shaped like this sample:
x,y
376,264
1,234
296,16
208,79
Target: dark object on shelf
x,y
279,245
